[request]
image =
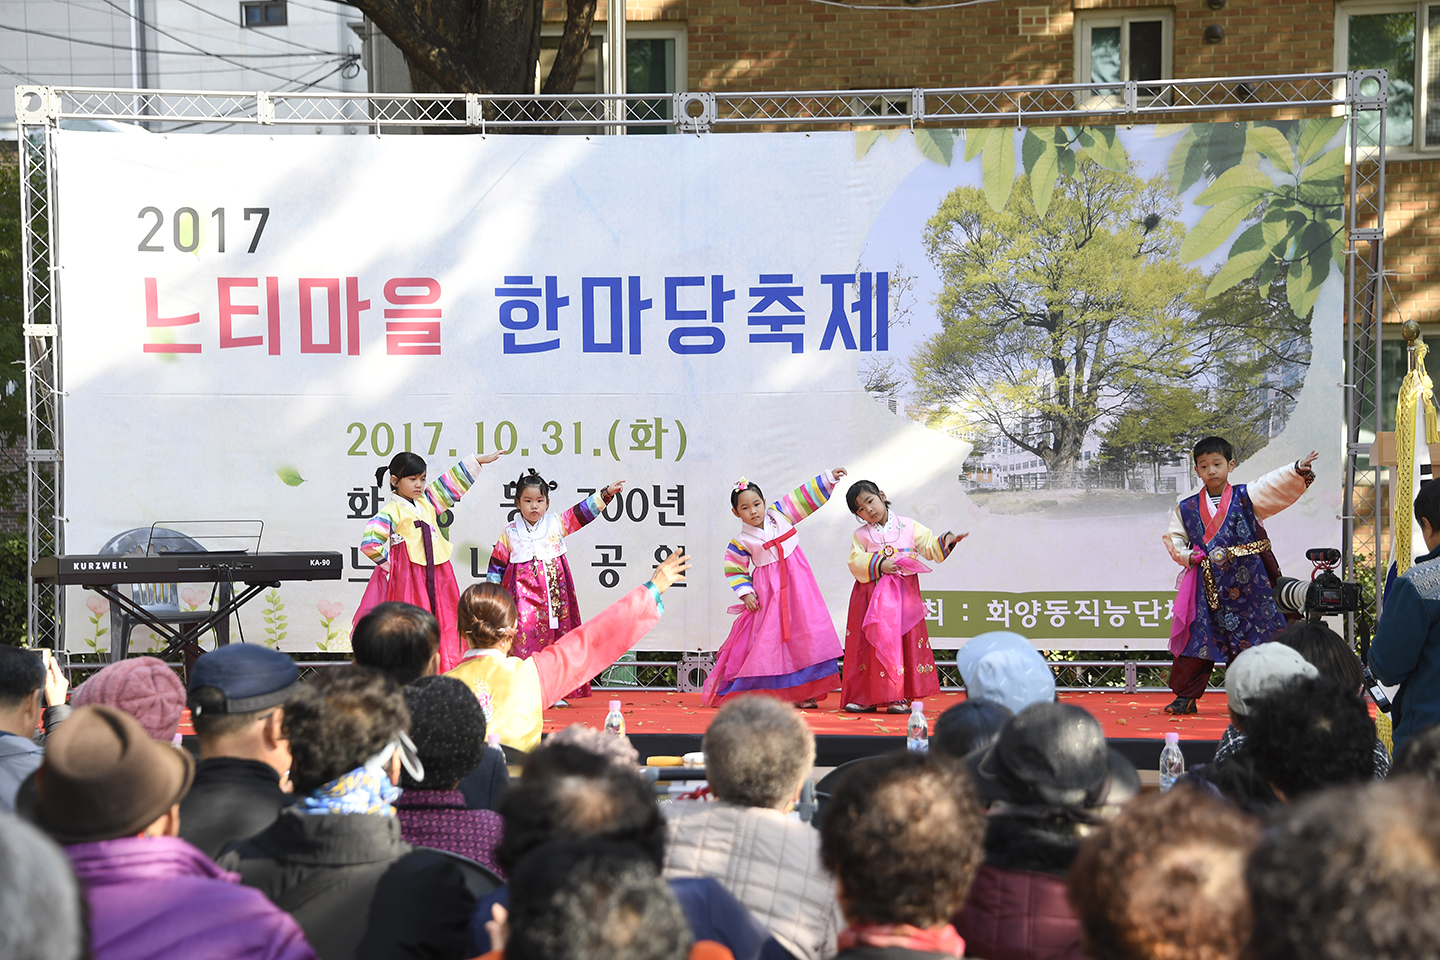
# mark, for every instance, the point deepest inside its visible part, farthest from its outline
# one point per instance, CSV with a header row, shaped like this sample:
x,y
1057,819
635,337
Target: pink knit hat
x,y
144,687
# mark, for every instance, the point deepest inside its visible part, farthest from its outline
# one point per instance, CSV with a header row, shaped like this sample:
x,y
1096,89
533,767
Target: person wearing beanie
x,y
335,859
448,728
111,795
144,687
237,703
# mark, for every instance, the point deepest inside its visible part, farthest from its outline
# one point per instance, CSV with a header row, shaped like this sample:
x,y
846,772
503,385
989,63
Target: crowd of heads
x,y
1289,845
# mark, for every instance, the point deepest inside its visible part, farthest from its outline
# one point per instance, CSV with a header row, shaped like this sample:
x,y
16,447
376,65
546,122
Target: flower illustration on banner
x,y
98,607
337,639
194,599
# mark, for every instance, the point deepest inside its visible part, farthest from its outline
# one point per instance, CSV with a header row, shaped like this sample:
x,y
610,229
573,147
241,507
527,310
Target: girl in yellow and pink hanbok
x,y
412,560
783,642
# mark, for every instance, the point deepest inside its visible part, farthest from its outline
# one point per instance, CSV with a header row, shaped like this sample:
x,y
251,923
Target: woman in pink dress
x,y
888,660
783,642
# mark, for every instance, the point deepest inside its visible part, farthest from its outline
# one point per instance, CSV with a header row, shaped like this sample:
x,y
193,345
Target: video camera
x,y
1324,594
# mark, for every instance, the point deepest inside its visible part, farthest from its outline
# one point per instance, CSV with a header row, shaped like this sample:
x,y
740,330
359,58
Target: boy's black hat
x,y
251,677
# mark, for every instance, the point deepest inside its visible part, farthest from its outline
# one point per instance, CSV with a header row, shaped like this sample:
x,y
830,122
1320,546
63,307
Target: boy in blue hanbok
x,y
1225,600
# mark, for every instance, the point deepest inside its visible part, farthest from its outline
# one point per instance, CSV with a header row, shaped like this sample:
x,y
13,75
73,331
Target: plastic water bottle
x,y
492,742
1172,761
615,720
917,730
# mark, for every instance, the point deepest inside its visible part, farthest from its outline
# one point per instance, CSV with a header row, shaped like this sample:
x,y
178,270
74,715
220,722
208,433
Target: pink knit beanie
x,y
144,687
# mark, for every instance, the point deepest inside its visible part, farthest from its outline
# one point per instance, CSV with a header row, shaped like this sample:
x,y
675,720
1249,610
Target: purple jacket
x,y
443,820
159,897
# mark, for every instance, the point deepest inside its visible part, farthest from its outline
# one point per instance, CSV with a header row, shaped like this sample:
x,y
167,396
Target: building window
x,y
881,105
263,13
1405,40
654,63
1117,48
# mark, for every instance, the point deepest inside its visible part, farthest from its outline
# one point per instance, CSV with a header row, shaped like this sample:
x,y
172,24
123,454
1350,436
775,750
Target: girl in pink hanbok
x,y
529,561
888,660
412,560
783,642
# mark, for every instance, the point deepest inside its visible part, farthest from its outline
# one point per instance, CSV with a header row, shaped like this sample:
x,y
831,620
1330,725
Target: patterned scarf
x,y
362,790
932,940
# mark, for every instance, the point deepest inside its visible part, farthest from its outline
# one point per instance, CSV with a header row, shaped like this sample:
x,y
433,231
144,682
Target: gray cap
x,y
1005,668
1260,671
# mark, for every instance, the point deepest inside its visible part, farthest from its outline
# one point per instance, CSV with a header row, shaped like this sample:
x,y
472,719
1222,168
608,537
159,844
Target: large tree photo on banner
x,y
1048,317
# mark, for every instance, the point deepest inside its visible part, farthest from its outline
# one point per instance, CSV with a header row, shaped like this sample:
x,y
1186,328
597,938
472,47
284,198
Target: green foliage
x,y
275,619
12,344
1052,321
1294,202
13,578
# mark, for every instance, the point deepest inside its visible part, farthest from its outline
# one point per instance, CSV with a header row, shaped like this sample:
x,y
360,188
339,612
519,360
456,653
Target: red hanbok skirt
x,y
887,648
406,584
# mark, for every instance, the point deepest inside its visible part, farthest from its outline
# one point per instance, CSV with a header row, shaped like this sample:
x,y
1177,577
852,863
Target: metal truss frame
x,y
40,110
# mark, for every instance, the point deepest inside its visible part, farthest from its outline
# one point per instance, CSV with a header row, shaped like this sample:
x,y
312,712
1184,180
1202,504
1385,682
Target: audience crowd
x,y
366,814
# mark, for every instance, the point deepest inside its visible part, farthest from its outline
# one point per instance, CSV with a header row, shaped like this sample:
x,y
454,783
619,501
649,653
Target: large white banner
x,y
251,326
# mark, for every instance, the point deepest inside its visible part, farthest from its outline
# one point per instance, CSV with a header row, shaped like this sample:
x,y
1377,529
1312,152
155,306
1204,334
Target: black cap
x,y
250,676
1053,754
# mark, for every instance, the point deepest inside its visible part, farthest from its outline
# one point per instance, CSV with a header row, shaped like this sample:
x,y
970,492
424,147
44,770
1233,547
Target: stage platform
x,y
668,723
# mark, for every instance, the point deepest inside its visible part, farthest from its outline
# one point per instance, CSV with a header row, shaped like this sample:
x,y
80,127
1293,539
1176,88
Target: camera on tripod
x,y
1324,594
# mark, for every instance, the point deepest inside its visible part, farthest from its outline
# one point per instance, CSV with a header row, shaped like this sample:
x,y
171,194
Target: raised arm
x,y
499,558
808,497
1279,488
375,543
588,509
935,548
450,486
580,655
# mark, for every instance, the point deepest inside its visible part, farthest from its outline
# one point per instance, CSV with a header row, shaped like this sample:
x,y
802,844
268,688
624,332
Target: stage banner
x,y
1016,333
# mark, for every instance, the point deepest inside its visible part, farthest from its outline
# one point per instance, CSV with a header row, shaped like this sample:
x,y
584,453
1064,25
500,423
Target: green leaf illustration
x,y
1245,180
997,167
1329,166
1240,267
1103,146
1217,224
936,145
864,140
1043,174
290,476
1315,136
976,142
1272,145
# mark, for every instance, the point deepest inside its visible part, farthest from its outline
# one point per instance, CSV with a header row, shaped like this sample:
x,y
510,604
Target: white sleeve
x,y
1178,540
1277,490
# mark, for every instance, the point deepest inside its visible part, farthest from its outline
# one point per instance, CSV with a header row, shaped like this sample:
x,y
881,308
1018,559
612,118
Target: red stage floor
x,y
1133,716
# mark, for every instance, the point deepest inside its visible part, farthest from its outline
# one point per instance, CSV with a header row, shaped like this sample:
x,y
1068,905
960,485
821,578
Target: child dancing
x,y
783,642
888,659
420,573
529,561
512,691
1224,601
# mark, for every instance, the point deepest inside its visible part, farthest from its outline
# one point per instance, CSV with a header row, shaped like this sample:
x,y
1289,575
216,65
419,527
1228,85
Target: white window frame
x,y
1343,12
1087,20
634,30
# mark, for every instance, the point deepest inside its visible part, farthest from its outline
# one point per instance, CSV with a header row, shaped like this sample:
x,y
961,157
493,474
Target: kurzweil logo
x,y
102,565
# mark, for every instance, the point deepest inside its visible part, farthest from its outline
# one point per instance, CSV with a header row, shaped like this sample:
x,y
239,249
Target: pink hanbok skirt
x,y
526,582
406,584
887,648
755,657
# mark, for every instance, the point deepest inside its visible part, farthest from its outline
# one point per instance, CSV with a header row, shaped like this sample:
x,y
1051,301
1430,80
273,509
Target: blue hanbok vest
x,y
1247,613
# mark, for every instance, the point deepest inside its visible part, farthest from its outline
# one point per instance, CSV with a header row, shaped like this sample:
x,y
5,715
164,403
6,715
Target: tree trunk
x,y
480,46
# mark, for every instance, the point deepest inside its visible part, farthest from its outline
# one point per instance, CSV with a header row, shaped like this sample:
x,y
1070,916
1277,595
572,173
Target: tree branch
x,y
423,46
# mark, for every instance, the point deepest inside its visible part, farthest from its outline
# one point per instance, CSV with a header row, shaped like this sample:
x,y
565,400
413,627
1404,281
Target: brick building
x,y
755,45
